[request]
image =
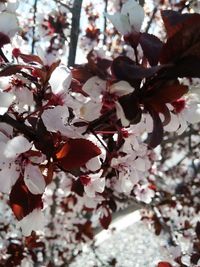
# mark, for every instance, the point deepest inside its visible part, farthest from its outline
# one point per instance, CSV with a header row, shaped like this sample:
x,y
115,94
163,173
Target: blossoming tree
x,y
82,142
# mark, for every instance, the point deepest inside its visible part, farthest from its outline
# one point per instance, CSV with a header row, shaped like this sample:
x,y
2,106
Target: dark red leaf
x,y
22,201
155,138
77,187
84,230
151,47
174,21
95,66
75,153
131,107
186,67
4,39
123,68
30,58
164,264
167,93
185,43
195,257
105,220
12,69
197,230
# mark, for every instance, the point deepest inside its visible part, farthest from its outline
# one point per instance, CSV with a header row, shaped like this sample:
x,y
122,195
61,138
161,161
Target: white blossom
x,y
16,146
130,19
34,179
6,100
34,221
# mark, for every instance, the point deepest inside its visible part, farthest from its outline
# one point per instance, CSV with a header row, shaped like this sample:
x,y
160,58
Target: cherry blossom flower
x,y
93,183
183,112
130,19
34,179
144,193
10,168
34,221
6,99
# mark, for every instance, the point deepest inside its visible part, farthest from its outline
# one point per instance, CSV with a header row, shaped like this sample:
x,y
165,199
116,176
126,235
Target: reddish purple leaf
x,y
22,201
12,69
30,58
75,153
4,39
123,68
174,21
164,264
105,220
131,107
151,47
197,230
185,43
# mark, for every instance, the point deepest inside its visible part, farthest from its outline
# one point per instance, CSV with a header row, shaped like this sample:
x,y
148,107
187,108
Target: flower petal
x,y
8,23
34,221
34,179
120,22
6,100
16,146
135,13
121,88
60,79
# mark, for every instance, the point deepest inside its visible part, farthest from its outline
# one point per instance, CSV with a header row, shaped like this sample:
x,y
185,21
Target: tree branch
x,y
76,13
33,29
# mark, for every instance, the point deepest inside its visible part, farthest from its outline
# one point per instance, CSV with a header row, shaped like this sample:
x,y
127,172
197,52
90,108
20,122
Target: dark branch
x,y
76,13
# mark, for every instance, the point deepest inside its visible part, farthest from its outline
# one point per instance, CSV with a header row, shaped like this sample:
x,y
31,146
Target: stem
x,y
76,13
3,56
20,126
105,22
34,23
151,19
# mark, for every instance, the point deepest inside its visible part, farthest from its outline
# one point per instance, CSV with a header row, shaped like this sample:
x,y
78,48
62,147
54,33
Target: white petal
x,y
8,176
34,179
89,190
120,22
139,164
12,5
173,125
192,113
121,88
6,100
91,110
24,96
16,146
8,23
93,164
99,184
135,12
94,87
55,119
60,79
34,221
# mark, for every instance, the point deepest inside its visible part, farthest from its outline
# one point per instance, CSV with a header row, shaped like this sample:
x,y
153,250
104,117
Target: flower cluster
x,y
76,143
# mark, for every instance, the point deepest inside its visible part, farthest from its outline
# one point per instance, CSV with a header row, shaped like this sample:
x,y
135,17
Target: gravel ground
x,y
132,244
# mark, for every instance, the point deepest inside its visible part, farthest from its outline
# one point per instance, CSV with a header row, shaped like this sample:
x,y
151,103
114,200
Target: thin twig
x,y
151,19
105,22
33,29
76,13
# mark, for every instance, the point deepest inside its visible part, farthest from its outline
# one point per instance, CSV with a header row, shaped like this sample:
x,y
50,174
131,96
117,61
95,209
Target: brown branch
x,y
105,22
33,29
76,13
20,126
151,19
